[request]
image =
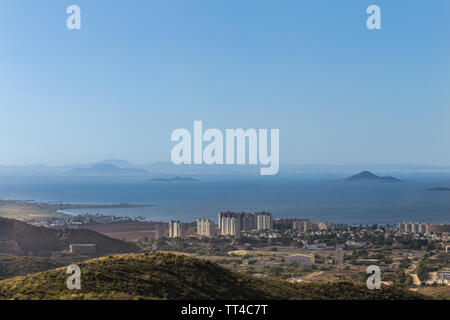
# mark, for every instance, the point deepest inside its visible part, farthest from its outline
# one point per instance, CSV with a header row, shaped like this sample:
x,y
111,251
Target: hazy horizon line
x,y
112,160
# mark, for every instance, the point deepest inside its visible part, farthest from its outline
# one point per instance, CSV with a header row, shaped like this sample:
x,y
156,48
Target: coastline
x,y
31,208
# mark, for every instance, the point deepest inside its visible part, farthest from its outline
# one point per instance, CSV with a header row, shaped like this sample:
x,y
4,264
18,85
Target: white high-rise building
x,y
409,227
230,224
175,229
205,228
264,221
402,226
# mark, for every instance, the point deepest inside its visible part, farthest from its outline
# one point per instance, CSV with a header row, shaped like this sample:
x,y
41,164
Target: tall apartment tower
x,y
230,223
231,226
205,228
249,222
219,220
175,229
307,226
264,221
297,225
409,227
402,226
423,228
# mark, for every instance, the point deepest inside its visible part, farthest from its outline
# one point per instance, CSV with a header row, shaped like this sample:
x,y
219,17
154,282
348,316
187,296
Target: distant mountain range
x,y
105,169
167,168
367,176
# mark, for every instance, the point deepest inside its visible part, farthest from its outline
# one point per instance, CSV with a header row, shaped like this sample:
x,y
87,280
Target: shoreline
x,y
30,208
26,209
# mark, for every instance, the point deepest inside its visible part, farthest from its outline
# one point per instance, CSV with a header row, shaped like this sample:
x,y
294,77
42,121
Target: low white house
x,y
300,259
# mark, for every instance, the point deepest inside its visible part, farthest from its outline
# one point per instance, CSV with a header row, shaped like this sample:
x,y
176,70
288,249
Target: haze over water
x,y
299,196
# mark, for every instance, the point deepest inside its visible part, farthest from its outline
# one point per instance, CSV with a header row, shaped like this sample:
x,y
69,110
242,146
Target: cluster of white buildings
x,y
304,225
439,277
413,227
206,228
230,224
233,223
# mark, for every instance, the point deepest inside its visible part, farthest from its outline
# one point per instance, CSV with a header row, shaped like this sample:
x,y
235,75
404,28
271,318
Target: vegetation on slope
x,y
169,276
437,292
430,263
11,266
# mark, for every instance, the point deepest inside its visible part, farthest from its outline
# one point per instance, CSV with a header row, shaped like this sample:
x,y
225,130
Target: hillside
x,y
11,266
169,276
439,292
20,238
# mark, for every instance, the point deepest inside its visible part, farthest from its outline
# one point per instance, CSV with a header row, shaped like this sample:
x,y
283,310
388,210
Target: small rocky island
x,y
438,189
174,179
367,176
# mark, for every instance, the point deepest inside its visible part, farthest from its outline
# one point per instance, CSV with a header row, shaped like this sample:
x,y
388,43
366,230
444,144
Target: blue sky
x,y
137,70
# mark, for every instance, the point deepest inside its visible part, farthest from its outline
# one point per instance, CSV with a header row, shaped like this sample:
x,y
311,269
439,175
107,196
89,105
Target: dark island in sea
x,y
438,189
367,176
175,179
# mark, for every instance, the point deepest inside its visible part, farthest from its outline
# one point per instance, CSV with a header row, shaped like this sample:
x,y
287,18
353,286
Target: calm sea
x,y
302,196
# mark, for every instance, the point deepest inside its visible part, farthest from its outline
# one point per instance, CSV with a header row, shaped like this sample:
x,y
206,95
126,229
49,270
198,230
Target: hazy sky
x,y
137,70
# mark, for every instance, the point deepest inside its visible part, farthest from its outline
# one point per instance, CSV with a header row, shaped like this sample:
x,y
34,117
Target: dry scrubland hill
x,y
20,238
11,266
169,276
